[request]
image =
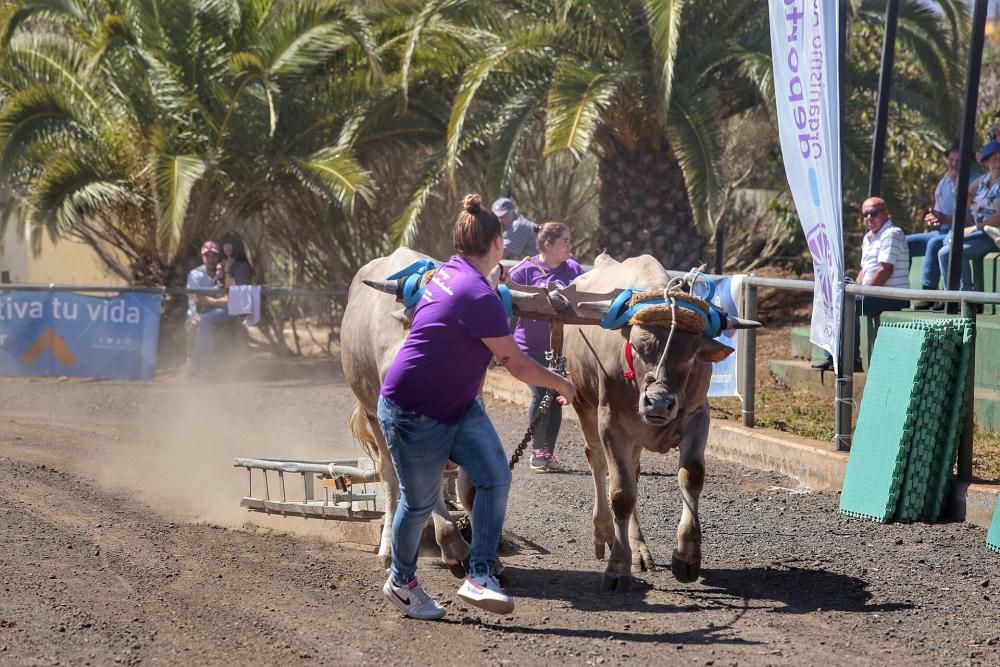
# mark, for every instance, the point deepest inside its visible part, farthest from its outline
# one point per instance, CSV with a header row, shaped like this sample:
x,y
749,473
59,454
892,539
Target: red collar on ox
x,y
629,363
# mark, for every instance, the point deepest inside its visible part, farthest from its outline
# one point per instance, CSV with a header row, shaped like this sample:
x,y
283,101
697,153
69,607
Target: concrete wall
x,y
65,262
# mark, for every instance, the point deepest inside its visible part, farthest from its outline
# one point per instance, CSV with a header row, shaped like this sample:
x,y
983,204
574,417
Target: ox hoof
x,y
458,570
616,583
643,565
684,571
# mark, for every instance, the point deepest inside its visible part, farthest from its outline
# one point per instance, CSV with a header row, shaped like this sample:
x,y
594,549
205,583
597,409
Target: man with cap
x,y
984,209
519,237
200,277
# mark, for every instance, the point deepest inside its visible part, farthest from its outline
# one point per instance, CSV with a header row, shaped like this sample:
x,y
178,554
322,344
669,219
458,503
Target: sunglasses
x,y
871,214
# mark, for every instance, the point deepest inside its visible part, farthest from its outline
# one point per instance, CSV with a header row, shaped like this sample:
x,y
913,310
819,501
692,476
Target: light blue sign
x,y
727,297
48,333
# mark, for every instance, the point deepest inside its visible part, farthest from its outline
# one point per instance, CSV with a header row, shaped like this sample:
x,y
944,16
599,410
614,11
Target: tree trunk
x,y
644,207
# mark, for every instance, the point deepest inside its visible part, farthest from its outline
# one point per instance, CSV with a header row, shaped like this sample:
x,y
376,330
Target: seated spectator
x,y
552,264
984,210
201,277
518,232
938,220
234,269
885,261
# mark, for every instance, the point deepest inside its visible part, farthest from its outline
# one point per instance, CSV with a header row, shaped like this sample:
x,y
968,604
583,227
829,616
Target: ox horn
x,y
517,296
387,286
596,306
733,322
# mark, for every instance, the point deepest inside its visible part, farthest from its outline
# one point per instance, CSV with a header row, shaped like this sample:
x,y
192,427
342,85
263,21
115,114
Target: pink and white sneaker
x,y
412,600
484,591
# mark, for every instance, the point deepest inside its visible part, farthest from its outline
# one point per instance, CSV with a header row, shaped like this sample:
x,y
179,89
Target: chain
x,y
556,365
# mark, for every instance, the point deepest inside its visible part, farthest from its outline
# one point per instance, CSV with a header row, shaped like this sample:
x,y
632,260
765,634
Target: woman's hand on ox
x,y
567,392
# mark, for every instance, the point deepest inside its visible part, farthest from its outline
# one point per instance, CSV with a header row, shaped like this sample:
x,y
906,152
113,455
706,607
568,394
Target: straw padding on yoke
x,y
659,315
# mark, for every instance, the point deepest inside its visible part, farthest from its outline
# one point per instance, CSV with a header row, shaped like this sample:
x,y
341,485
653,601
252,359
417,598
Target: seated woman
x,y
552,264
984,210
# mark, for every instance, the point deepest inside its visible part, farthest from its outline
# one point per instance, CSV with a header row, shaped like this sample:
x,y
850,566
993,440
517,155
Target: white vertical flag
x,y
806,55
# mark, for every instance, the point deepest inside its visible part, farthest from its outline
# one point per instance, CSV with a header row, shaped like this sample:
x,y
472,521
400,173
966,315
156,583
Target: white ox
x,y
371,335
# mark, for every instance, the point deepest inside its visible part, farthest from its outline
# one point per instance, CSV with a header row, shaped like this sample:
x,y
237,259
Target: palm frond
x,y
664,17
577,98
176,176
517,118
693,133
308,34
338,174
37,115
406,226
49,58
75,13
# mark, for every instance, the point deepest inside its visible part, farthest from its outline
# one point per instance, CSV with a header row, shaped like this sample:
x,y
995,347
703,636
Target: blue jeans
x,y
547,431
204,338
976,246
420,447
928,244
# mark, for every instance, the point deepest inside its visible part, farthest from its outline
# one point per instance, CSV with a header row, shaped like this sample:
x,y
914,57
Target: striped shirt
x,y
886,246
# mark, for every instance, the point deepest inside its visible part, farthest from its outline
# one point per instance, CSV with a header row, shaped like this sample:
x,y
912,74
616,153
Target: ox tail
x,y
362,430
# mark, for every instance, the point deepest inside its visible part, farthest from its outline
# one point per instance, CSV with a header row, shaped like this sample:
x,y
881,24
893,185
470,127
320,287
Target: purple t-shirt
x,y
532,336
438,370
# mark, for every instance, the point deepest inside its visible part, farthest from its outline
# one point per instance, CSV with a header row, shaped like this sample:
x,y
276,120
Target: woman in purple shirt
x,y
552,264
430,411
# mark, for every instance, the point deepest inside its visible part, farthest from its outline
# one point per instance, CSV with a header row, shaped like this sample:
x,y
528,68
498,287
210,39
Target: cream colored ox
x,y
663,407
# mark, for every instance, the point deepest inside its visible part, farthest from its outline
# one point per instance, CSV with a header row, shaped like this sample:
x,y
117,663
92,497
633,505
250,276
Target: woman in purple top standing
x,y
430,411
552,264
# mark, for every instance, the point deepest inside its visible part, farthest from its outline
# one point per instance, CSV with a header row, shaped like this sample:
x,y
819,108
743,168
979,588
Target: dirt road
x,y
121,544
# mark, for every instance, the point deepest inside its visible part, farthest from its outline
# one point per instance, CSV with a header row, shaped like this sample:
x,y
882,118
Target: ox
x,y
663,407
374,328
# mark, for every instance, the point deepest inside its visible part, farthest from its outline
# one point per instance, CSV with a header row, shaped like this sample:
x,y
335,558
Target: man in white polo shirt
x,y
885,261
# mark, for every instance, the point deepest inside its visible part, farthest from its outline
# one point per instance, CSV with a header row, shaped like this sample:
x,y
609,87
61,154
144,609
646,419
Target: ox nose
x,y
658,406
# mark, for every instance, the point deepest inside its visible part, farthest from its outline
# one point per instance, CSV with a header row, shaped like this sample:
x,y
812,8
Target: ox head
x,y
683,375
670,378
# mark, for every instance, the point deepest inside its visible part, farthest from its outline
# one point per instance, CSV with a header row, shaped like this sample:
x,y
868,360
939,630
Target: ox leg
x,y
604,531
618,575
454,548
391,489
642,560
686,563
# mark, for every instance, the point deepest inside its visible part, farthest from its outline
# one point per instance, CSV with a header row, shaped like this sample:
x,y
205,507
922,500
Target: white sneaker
x,y
412,600
484,591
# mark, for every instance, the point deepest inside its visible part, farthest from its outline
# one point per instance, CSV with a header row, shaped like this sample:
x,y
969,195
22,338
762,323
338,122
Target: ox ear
x,y
713,351
403,316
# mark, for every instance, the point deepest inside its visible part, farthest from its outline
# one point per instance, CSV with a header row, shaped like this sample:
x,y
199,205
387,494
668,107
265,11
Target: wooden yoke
x,y
557,305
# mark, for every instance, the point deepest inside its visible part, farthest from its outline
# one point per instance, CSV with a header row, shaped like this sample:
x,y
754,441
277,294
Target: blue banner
x,y
727,297
49,333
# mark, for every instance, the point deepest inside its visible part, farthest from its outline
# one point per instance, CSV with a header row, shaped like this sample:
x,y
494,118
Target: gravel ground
x,y
122,544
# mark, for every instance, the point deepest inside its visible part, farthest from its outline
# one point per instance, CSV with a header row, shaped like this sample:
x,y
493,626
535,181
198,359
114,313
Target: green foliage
x,y
147,125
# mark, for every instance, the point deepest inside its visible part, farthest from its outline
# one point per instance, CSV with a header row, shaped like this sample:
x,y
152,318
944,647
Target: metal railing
x,y
844,400
204,291
747,375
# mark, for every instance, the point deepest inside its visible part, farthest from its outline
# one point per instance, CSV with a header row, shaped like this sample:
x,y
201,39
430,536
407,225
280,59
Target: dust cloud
x,y
170,443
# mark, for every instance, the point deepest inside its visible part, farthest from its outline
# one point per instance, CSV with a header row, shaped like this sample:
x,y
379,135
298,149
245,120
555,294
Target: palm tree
x,y
646,86
140,130
612,79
